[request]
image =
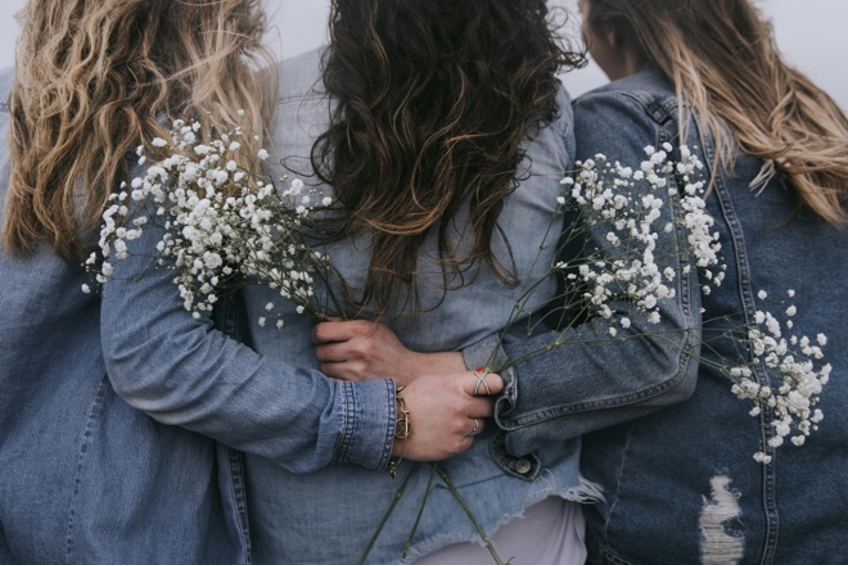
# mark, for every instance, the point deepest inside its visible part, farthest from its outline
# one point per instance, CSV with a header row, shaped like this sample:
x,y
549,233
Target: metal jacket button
x,y
522,465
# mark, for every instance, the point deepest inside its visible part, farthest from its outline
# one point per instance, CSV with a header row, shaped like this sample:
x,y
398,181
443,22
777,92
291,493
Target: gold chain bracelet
x,y
403,428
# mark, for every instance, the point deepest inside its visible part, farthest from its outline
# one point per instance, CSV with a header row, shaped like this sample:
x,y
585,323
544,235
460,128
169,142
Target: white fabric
x,y
550,532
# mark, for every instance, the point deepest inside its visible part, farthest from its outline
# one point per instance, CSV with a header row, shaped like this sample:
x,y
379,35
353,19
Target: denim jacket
x,y
84,477
681,485
293,514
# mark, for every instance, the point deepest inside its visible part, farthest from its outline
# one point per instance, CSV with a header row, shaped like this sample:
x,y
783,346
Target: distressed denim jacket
x,y
292,515
676,463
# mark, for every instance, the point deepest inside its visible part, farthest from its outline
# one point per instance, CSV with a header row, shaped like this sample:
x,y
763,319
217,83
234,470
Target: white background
x,y
810,33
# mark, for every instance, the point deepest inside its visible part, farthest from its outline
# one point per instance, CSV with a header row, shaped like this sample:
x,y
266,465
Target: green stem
x,y
449,483
420,512
391,508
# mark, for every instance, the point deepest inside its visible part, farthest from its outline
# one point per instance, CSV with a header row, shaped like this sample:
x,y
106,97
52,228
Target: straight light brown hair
x,y
94,79
725,65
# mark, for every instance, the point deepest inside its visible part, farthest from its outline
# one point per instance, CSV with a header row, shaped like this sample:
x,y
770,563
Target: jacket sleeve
x,y
595,382
182,372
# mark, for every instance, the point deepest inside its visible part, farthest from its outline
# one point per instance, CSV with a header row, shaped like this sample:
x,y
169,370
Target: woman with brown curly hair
x,y
440,131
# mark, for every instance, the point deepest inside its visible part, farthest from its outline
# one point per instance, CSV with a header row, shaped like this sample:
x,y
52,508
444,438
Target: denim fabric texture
x,y
183,372
329,516
665,473
85,477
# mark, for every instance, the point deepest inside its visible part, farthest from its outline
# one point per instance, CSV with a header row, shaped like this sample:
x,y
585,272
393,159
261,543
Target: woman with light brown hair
x,y
674,455
89,475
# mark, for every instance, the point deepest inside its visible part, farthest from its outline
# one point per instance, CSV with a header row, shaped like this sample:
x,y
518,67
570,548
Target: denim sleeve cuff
x,y
367,434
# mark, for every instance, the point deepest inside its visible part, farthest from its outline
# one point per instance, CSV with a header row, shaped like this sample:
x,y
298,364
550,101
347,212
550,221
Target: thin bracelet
x,y
403,428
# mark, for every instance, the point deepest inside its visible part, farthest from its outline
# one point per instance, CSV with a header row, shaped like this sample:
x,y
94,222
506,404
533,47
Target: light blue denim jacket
x,y
667,471
329,516
87,477
84,477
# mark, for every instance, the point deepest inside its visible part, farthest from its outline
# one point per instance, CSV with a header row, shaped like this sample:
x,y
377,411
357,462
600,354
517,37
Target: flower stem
x,y
391,508
420,512
444,475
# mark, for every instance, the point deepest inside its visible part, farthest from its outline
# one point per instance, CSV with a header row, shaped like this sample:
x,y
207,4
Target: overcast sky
x,y
810,33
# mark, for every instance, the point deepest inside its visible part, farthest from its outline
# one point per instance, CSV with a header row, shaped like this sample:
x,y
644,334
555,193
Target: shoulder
x,y
647,93
6,76
300,77
622,117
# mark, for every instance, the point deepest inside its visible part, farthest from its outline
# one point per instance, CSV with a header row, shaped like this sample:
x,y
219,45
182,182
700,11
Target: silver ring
x,y
476,430
481,374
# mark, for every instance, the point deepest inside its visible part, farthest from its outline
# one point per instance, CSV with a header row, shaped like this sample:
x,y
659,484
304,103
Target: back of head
x,y
434,98
93,79
724,63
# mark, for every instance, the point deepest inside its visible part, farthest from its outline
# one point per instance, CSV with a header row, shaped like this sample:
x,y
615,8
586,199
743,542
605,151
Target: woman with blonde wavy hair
x,y
85,477
87,474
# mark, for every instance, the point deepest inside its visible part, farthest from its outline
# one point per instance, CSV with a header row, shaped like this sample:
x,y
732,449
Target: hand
x,y
358,350
442,412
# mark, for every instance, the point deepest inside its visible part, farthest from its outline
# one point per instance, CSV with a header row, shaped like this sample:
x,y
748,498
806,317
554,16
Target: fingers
x,y
337,330
479,425
480,407
479,383
333,352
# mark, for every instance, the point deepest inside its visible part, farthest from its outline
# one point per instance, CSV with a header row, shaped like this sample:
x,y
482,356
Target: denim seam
x,y
299,98
748,307
85,444
237,487
348,424
386,455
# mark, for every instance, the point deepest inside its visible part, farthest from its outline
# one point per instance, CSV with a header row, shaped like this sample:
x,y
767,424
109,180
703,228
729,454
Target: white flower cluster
x,y
643,221
782,375
222,222
631,208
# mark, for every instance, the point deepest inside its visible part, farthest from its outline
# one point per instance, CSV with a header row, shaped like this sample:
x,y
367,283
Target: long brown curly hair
x,y
93,79
433,99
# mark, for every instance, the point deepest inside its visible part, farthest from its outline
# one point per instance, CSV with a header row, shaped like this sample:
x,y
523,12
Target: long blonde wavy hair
x,y
724,63
95,78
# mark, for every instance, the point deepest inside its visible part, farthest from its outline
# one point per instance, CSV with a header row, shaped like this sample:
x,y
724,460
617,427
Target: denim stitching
x,y
235,461
348,423
88,432
383,462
